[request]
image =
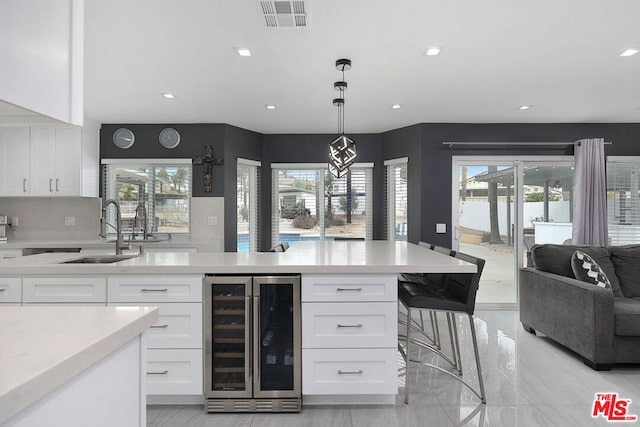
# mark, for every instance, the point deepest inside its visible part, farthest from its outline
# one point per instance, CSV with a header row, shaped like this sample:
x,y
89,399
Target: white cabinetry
x,y
349,338
10,253
56,166
64,290
14,160
10,290
48,160
174,343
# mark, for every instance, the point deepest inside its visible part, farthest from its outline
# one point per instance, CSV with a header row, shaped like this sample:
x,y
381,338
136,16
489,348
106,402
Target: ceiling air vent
x,y
285,14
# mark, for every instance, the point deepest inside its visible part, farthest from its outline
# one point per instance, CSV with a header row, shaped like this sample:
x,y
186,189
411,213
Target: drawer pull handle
x,y
2,289
50,182
350,372
359,325
159,326
158,373
24,185
348,289
154,290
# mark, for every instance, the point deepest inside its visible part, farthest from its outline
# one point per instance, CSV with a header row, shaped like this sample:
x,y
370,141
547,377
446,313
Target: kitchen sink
x,y
101,259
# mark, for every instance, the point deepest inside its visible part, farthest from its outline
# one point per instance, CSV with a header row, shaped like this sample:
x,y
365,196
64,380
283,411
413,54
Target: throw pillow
x,y
587,270
627,262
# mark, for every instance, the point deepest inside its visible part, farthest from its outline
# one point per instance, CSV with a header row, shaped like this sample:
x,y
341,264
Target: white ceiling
x,y
561,56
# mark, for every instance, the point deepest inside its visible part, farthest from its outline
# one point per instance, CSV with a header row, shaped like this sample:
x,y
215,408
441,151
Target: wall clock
x,y
123,138
169,138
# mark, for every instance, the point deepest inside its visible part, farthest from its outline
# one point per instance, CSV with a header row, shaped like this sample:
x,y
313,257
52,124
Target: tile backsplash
x,y
78,218
45,218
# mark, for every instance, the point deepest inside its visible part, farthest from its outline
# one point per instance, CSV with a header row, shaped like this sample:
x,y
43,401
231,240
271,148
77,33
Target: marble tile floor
x,y
530,381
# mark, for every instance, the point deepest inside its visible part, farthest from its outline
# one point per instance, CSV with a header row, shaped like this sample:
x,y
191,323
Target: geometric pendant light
x,y
342,150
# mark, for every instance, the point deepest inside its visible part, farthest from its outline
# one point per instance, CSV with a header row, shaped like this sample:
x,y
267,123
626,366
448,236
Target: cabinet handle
x,y
2,289
24,185
57,186
158,373
359,325
50,185
154,290
349,372
348,289
159,326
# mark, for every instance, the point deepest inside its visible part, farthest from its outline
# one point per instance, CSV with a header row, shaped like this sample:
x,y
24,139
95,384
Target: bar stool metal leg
x,y
408,358
477,356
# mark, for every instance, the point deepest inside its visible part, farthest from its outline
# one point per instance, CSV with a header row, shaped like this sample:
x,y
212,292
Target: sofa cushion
x,y
587,270
627,263
556,259
626,313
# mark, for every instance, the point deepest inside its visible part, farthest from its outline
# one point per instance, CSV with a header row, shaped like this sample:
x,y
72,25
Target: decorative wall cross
x,y
208,160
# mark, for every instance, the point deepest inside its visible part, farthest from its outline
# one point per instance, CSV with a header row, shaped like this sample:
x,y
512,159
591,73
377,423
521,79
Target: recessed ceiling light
x,y
270,107
629,52
525,107
243,52
168,95
396,106
433,51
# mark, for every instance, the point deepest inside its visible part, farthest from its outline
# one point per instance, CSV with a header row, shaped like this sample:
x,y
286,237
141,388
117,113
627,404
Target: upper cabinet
x,y
46,160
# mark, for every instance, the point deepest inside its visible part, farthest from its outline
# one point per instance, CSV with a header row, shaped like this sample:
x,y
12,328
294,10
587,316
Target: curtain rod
x,y
452,143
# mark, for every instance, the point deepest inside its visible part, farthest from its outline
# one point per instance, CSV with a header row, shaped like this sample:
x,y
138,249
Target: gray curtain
x,y
590,194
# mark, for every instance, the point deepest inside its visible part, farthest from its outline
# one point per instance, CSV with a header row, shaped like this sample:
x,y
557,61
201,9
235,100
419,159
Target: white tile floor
x,y
530,381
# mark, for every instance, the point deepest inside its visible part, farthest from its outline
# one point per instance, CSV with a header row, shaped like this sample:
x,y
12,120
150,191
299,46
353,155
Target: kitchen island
x,y
341,283
73,366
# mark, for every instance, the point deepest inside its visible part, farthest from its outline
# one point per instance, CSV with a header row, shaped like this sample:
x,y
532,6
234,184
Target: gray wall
x,y
193,139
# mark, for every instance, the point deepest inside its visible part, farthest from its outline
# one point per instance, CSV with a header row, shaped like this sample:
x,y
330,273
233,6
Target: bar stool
x,y
457,295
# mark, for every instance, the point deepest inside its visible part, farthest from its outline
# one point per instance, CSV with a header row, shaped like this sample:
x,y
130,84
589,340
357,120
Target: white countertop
x,y
308,257
43,347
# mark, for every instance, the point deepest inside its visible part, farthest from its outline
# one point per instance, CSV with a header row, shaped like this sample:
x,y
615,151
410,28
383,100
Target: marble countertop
x,y
307,257
44,347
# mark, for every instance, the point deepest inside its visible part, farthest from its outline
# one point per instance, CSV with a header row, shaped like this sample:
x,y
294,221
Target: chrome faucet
x,y
141,208
119,242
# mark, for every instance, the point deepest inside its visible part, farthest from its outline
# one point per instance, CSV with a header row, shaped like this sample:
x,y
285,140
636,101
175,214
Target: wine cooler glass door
x,y
276,345
227,350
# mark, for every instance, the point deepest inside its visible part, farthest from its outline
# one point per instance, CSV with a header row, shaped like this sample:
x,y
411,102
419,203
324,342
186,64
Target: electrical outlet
x,y
441,228
69,220
14,221
212,220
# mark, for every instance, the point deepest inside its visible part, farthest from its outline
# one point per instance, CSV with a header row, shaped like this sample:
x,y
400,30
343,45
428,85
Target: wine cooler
x,y
252,344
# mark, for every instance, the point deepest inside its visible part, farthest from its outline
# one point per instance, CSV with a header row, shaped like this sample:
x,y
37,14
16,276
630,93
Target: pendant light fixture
x,y
342,150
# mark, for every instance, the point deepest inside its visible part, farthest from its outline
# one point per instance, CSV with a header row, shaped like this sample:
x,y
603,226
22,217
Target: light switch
x,y
441,228
69,220
212,220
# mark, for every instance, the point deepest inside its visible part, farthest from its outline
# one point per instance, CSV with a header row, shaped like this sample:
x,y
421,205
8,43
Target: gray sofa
x,y
601,325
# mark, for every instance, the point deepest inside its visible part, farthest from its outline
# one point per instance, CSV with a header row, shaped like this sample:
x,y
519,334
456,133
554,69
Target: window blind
x,y
396,198
623,201
162,186
308,203
248,205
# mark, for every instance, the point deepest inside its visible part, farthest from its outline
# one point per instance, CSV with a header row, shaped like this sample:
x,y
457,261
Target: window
x,y
396,188
162,186
247,205
310,204
623,200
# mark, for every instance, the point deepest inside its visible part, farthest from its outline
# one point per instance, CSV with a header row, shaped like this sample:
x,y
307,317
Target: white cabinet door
x,y
14,161
64,289
68,162
174,372
10,290
42,170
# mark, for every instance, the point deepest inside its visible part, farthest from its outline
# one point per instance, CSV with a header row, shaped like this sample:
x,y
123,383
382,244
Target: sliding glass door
x,y
502,207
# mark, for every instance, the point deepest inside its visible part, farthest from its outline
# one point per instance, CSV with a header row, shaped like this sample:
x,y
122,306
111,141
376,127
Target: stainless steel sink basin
x,y
100,259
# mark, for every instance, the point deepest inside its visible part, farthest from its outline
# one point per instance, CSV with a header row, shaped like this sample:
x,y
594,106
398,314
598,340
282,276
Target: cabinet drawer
x,y
64,289
349,371
155,289
174,372
10,289
179,326
349,325
336,288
